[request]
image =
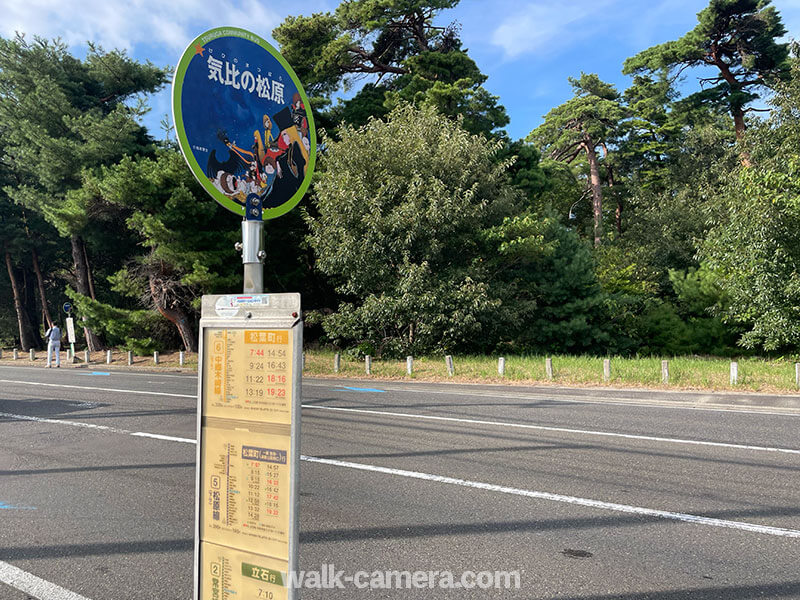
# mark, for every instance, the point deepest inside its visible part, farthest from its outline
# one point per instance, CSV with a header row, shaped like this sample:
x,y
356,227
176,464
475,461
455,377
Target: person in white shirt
x,y
53,337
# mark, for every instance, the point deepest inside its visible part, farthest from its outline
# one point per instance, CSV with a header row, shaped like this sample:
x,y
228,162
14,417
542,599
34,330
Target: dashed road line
x,y
538,495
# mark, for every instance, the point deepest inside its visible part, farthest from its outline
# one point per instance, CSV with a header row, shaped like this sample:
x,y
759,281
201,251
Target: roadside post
x,y
70,330
245,128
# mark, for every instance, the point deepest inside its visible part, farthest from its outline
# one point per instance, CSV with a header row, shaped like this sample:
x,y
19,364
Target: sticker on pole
x,y
243,121
228,306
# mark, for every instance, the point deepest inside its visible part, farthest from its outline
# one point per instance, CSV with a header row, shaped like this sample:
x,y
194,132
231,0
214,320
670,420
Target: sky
x,y
527,48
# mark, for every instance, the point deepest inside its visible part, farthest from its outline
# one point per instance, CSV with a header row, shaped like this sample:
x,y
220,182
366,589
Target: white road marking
x,y
604,400
638,510
168,438
155,436
99,389
62,422
453,419
598,504
630,436
34,586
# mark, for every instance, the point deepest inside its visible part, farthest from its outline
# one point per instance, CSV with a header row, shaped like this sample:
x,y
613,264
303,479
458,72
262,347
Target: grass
x,y
758,375
685,372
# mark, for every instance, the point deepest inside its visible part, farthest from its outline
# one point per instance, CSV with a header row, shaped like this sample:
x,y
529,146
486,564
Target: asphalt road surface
x,y
585,494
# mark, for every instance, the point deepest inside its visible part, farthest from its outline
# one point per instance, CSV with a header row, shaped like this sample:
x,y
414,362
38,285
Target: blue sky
x,y
528,48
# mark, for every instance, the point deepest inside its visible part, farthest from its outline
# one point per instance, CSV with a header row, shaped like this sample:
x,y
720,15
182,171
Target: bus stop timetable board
x,y
248,446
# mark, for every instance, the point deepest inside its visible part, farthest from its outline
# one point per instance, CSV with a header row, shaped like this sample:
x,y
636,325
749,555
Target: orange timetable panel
x,y
246,487
248,374
228,574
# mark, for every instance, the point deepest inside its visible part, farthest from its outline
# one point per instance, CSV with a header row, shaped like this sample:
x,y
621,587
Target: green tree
x,y
60,116
397,43
403,210
579,127
736,37
754,248
551,298
185,251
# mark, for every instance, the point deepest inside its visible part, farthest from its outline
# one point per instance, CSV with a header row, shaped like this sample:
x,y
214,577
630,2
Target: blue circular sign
x,y
67,307
243,122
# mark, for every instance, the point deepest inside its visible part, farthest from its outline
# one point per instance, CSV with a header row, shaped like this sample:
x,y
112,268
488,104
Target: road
x,y
588,494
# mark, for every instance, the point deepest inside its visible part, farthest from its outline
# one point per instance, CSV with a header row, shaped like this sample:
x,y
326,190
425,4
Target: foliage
x,y
397,42
129,329
552,301
754,246
400,232
736,37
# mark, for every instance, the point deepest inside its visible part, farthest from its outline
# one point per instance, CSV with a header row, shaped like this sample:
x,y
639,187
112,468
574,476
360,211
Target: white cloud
x,y
544,27
168,24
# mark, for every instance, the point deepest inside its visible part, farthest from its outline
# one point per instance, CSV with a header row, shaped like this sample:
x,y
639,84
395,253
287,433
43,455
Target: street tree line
x,y
634,221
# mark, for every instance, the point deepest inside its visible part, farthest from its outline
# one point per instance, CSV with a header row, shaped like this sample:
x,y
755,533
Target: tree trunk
x,y
740,127
27,339
29,301
618,211
42,296
89,278
176,317
82,280
597,191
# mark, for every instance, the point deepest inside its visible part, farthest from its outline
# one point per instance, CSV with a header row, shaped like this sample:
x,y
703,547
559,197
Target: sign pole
x,y
252,247
244,125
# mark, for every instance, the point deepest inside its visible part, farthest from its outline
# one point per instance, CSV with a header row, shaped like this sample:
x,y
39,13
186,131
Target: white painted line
x,y
34,586
62,422
155,436
99,389
158,436
599,504
637,510
604,400
629,436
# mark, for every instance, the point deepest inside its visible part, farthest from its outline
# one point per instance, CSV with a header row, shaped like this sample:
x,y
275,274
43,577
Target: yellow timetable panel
x,y
248,374
227,574
246,486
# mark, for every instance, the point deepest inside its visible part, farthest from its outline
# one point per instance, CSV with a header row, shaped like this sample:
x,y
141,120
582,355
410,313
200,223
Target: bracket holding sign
x,y
248,452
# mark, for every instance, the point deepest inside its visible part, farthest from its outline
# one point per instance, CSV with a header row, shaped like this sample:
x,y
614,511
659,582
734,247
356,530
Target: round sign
x,y
243,122
67,307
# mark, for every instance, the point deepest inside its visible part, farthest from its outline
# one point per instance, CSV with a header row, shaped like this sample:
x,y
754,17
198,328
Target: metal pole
x,y
252,248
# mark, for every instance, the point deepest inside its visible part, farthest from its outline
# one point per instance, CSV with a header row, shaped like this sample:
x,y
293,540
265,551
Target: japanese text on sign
x,y
227,73
248,374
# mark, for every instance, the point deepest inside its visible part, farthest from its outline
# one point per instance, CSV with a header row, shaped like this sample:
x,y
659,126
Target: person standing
x,y
53,337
